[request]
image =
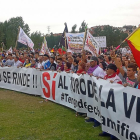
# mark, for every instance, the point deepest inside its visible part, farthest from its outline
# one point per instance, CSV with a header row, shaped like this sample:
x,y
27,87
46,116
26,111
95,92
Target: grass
x,y
26,117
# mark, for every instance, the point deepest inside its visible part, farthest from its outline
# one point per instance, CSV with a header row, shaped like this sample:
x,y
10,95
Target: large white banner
x,y
24,39
75,41
115,106
26,80
101,41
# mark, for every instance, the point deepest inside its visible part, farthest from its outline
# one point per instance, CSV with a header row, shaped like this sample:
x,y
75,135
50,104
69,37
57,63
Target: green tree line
x,y
9,32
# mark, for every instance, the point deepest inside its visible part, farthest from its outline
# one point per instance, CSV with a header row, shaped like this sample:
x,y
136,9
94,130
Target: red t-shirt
x,y
21,60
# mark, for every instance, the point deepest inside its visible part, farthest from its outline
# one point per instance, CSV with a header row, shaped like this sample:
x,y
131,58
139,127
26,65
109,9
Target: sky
x,y
39,14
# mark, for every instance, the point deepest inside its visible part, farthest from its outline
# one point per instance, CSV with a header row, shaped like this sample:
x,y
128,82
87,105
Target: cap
x,y
93,58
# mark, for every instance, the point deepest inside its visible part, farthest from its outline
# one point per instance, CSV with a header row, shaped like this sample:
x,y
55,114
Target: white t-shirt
x,y
98,72
39,65
18,63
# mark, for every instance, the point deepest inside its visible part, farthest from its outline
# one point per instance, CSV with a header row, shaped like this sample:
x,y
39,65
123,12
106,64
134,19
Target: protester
x,y
129,76
46,63
67,67
75,65
60,66
53,65
33,63
94,69
17,63
27,63
112,77
81,68
10,61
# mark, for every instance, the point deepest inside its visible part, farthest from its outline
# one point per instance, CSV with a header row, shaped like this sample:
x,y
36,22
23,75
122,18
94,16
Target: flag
x,y
61,52
63,48
43,50
46,46
10,50
62,41
52,50
91,44
24,39
134,43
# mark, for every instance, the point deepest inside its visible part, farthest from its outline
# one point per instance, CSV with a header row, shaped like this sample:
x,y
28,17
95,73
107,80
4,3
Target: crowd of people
x,y
116,66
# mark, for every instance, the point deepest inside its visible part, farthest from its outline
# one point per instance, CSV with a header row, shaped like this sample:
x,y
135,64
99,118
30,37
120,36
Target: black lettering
x,y
111,124
69,99
89,86
126,109
103,120
111,100
95,111
60,84
138,110
77,86
83,90
66,95
133,136
5,78
28,79
90,108
80,104
65,87
8,76
14,77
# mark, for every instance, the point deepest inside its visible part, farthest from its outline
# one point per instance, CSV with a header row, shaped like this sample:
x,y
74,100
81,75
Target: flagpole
x,y
65,42
17,36
84,37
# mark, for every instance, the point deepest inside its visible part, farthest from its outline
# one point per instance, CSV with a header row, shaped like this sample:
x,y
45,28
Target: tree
x,y
37,38
82,27
74,28
10,30
113,35
2,35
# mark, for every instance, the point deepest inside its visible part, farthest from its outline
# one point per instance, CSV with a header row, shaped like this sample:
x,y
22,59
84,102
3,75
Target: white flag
x,y
24,39
43,50
91,44
46,47
10,50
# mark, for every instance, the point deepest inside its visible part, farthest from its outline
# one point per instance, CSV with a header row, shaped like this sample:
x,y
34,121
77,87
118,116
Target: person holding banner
x,y
75,65
67,67
10,61
60,66
46,63
96,71
53,65
27,63
81,68
17,63
113,78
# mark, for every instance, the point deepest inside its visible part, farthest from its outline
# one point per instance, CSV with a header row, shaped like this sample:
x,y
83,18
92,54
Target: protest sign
x,y
101,41
91,44
75,42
